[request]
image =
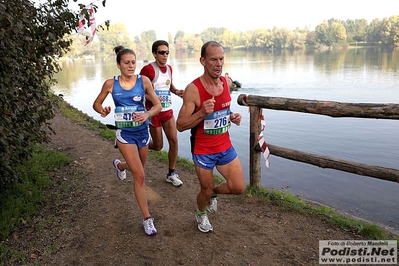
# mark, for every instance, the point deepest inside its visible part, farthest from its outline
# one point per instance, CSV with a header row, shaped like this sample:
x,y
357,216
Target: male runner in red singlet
x,y
206,111
160,74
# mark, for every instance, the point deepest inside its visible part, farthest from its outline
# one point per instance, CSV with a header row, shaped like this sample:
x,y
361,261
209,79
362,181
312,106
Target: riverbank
x,y
97,221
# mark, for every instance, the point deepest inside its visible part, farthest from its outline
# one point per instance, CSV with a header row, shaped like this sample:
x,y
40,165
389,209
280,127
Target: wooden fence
x,y
328,108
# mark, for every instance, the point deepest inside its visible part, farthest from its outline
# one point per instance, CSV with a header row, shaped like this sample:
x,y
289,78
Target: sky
x,y
195,16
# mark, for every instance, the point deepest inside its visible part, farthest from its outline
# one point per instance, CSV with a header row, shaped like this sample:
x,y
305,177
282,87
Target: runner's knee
x,y
239,190
156,147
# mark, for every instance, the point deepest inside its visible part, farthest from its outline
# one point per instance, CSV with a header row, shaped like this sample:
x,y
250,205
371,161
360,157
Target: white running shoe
x,y
120,174
203,223
174,179
149,227
212,206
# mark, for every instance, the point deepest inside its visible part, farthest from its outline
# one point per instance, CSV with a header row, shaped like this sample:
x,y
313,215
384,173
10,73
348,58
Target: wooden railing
x,y
328,108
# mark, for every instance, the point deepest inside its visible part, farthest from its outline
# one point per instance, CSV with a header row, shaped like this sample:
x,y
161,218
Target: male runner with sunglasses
x,y
160,74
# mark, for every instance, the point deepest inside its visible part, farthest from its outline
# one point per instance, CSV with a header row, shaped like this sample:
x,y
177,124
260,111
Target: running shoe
x,y
203,223
174,179
120,174
212,206
149,227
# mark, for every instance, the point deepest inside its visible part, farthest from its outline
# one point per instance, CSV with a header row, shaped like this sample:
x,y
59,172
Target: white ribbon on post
x,y
262,142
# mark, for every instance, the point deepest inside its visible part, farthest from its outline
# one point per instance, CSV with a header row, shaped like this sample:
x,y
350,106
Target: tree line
x,y
330,33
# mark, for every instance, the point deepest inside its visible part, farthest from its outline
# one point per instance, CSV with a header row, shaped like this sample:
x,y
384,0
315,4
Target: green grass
x,y
21,200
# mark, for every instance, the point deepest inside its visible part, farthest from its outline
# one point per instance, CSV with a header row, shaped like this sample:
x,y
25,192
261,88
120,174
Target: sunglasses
x,y
163,52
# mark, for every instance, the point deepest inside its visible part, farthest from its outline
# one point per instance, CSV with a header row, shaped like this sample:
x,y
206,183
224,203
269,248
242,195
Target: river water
x,y
356,75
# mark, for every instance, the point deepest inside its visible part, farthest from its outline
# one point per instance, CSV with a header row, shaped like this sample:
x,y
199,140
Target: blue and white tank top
x,y
127,102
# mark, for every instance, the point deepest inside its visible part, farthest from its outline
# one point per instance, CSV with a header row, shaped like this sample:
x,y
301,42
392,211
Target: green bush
x,y
31,40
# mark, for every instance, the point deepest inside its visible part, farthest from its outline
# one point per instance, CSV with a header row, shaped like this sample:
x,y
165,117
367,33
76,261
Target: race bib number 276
x,y
217,122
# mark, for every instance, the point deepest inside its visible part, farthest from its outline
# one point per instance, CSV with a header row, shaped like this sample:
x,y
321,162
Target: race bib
x,y
124,116
166,97
217,122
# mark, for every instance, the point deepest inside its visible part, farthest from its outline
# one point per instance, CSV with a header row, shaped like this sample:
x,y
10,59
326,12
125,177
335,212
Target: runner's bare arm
x,y
151,96
98,102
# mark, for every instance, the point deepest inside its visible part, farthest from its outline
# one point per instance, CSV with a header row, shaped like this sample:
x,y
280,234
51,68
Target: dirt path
x,y
97,220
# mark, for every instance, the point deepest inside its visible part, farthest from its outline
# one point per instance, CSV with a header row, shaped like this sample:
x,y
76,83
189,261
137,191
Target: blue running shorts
x,y
208,161
141,138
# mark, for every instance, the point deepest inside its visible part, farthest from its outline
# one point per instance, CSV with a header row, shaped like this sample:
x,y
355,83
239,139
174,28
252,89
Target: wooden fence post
x,y
254,154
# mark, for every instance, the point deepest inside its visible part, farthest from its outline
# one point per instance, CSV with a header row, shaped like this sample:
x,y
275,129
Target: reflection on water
x,y
356,75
